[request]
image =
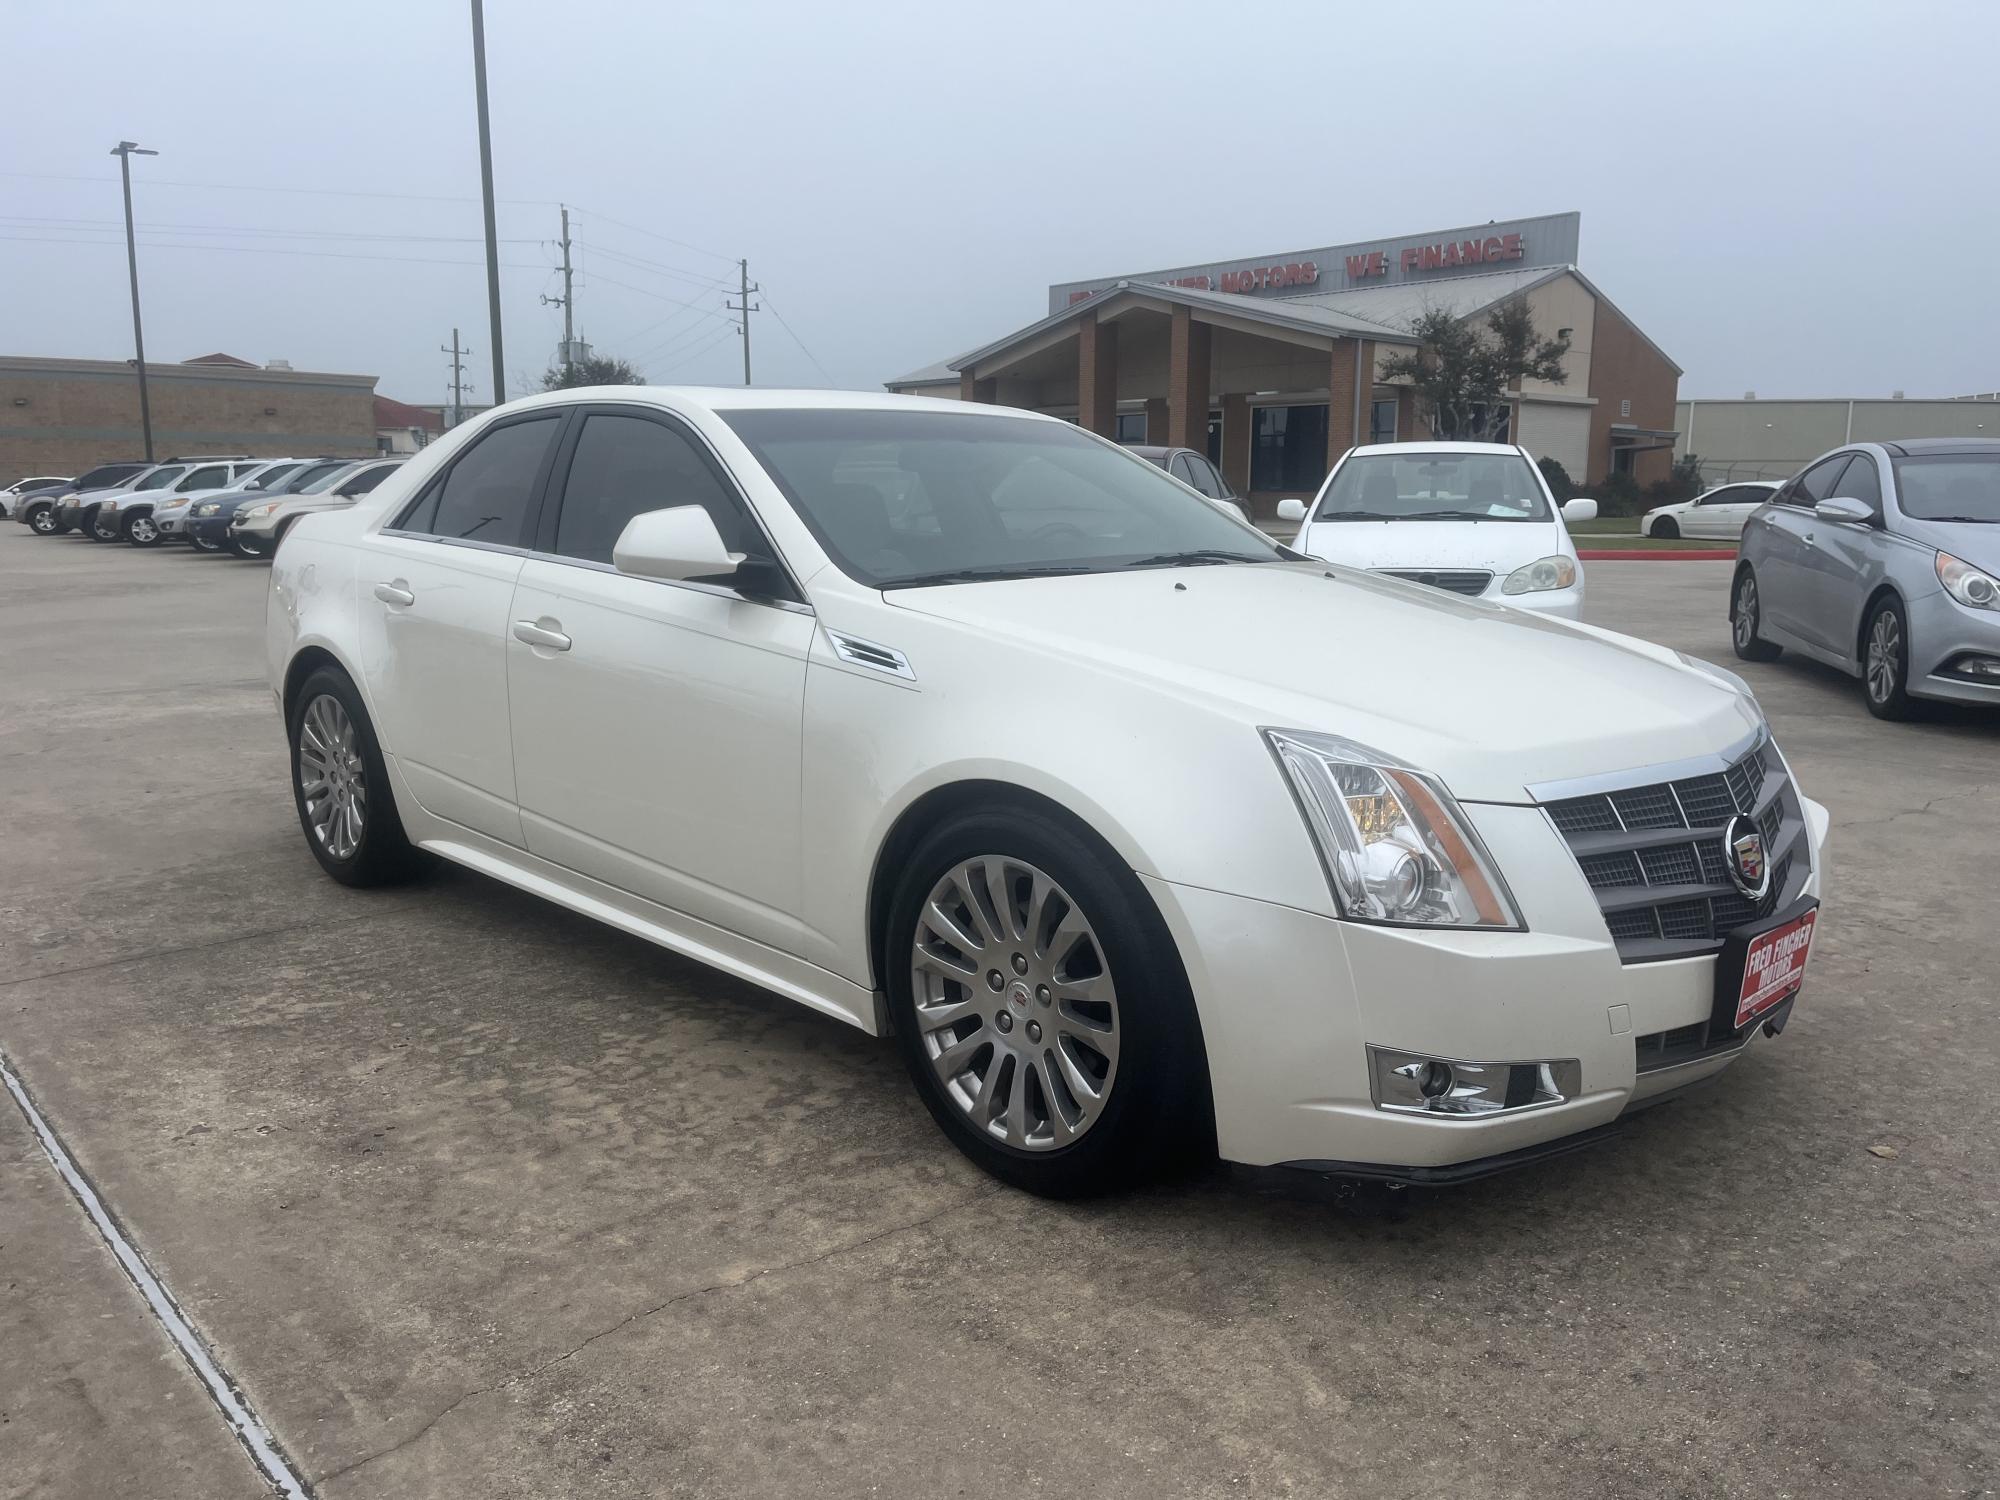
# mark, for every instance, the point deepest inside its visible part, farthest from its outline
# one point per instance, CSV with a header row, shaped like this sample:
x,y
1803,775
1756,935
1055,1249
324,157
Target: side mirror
x,y
1291,510
676,543
1582,508
1848,512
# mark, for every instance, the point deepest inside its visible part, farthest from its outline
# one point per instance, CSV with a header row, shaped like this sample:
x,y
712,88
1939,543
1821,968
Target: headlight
x,y
1970,586
1395,846
251,512
1541,575
208,507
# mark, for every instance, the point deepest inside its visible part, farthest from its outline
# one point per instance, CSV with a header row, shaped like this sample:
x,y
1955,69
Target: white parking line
x,y
235,1406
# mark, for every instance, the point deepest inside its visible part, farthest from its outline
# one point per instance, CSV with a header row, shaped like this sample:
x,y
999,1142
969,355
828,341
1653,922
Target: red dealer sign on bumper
x,y
1774,966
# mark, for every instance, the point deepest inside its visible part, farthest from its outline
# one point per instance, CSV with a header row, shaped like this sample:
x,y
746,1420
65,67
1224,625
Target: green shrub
x,y
1557,477
1619,495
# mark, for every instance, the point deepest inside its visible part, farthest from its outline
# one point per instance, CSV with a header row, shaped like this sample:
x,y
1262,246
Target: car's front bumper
x,y
1943,630
1291,1001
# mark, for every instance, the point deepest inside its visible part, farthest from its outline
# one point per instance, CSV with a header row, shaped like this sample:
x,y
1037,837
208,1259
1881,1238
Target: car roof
x,y
1916,447
723,398
1411,450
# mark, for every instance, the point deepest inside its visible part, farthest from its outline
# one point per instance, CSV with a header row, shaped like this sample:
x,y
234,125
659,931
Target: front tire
x,y
1667,527
1744,619
1041,1008
142,531
90,526
1885,663
43,521
249,547
201,543
341,786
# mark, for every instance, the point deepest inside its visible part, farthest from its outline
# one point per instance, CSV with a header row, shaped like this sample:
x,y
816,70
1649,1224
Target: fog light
x,y
1976,667
1413,1083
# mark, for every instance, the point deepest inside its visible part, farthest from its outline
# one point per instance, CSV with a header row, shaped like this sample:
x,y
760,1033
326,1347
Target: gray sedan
x,y
1882,559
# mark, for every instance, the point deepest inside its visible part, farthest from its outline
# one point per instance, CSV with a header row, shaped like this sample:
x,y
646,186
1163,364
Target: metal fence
x,y
1733,470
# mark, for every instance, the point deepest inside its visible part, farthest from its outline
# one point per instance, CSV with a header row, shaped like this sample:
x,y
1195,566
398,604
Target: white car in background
x,y
1472,518
1719,512
968,726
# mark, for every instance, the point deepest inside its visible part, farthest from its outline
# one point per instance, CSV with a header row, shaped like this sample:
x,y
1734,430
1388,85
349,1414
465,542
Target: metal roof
x,y
940,373
1398,304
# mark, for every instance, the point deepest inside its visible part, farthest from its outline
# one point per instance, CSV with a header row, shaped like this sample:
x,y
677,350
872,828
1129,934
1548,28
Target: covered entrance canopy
x,y
1207,351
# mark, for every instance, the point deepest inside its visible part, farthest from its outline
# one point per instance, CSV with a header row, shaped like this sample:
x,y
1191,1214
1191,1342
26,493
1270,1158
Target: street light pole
x,y
125,151
486,197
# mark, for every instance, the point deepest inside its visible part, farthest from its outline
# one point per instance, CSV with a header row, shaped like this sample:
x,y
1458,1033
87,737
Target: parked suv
x,y
1882,559
207,522
20,489
172,520
128,516
260,525
966,728
42,512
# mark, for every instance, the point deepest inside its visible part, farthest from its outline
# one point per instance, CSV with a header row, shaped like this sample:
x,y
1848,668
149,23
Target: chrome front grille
x,y
1653,853
1460,581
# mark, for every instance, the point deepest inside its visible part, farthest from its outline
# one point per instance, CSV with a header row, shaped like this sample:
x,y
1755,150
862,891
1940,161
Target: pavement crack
x,y
729,1284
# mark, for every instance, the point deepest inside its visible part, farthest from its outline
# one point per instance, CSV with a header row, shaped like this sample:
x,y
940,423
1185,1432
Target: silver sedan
x,y
1882,559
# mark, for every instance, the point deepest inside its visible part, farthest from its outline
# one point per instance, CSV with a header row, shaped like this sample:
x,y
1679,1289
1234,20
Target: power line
x,y
29,221
696,353
653,234
245,187
410,260
679,341
640,263
768,303
646,292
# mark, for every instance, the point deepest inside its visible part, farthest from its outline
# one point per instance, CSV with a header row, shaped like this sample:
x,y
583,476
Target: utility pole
x,y
486,198
567,302
745,306
125,151
457,377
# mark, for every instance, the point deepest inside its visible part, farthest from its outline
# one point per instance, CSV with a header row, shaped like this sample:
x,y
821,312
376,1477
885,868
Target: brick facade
x,y
60,416
1188,348
1351,358
1097,375
1624,366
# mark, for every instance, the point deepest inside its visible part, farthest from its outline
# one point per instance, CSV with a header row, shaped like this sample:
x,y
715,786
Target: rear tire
x,y
340,786
1885,662
1667,527
1098,975
1745,615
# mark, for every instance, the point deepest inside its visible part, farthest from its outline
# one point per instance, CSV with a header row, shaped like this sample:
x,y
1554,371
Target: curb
x,y
1661,554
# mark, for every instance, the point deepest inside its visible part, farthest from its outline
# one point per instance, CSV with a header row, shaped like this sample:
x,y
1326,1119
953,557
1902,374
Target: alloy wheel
x,y
332,779
43,522
1015,1005
1885,655
144,532
1746,611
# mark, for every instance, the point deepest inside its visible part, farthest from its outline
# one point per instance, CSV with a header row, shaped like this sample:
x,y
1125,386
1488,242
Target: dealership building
x,y
1272,364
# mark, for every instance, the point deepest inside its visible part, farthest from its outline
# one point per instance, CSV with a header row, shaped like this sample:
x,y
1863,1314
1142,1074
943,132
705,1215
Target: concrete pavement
x,y
475,1197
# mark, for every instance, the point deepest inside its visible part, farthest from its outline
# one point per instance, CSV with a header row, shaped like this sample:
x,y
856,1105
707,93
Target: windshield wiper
x,y
982,575
1193,557
1976,520
1354,515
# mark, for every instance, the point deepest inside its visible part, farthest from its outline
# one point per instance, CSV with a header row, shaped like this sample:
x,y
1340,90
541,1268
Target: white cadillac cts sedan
x,y
1142,834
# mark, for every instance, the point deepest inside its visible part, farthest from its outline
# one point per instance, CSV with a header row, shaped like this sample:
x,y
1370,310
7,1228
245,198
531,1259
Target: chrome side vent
x,y
857,652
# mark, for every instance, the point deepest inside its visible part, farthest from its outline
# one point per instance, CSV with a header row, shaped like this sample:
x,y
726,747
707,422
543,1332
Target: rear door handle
x,y
391,593
529,633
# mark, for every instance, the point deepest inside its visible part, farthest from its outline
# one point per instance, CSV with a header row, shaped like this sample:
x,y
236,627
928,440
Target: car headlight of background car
x,y
208,507
1544,573
1394,844
252,512
1973,587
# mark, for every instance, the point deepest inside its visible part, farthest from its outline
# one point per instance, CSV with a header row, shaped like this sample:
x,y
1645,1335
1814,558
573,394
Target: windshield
x,y
1950,487
161,478
311,479
265,478
907,498
1421,486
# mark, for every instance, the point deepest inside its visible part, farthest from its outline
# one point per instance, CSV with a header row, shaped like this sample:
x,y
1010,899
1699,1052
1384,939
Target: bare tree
x,y
1462,368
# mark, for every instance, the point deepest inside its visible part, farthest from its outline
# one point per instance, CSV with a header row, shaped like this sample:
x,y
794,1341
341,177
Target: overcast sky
x,y
1798,200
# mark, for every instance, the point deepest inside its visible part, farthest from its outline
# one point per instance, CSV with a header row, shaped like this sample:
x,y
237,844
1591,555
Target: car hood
x,y
1976,542
1494,546
1494,700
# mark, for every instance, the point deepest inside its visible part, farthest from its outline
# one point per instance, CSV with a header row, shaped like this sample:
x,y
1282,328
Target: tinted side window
x,y
208,477
1182,470
485,496
1861,482
1208,481
626,465
1818,481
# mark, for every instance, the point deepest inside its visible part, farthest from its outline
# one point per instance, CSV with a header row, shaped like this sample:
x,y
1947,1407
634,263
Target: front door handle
x,y
392,593
533,633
